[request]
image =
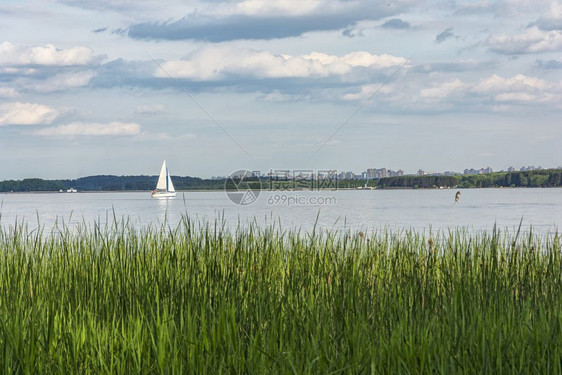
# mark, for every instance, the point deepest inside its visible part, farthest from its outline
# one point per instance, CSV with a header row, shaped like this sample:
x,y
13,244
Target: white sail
x,y
164,187
170,184
161,185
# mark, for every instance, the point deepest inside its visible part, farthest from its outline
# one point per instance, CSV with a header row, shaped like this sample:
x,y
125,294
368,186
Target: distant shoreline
x,y
273,190
108,183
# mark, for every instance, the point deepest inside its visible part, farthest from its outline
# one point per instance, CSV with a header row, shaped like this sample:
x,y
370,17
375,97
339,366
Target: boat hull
x,y
163,194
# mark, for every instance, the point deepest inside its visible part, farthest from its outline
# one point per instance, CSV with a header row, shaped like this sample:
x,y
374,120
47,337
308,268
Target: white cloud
x,y
277,97
63,81
214,63
91,129
552,19
519,88
10,70
368,91
533,40
442,90
496,83
18,113
11,54
266,8
149,109
289,7
8,92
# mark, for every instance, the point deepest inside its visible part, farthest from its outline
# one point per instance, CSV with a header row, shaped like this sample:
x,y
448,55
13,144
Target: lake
x,y
478,209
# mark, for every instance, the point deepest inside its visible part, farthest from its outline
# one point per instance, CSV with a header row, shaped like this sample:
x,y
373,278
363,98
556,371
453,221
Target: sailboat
x,y
164,187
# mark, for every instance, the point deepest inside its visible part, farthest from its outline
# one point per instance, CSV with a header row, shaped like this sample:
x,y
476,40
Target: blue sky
x,y
85,86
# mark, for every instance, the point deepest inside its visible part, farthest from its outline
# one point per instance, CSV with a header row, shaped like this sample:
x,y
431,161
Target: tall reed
x,y
200,298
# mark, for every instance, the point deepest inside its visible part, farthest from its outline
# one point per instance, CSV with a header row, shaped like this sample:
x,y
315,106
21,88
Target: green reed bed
x,y
201,299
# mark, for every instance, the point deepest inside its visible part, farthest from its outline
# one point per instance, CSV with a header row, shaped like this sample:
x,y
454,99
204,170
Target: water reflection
x,y
479,209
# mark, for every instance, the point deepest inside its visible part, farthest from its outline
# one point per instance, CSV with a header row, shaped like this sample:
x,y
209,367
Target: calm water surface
x,y
478,209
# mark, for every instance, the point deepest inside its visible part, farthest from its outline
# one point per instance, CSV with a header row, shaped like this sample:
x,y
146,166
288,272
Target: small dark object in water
x,y
457,197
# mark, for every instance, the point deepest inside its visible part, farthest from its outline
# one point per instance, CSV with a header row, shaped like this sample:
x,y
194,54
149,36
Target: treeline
x,y
106,183
31,184
119,183
539,178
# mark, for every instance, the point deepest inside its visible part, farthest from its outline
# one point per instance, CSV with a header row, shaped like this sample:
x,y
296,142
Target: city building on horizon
x,y
369,174
473,171
530,168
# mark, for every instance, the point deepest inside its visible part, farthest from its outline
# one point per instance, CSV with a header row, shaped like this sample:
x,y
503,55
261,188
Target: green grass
x,y
201,299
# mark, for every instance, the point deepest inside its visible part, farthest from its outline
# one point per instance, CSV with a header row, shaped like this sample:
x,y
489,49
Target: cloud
x,y
368,91
533,40
270,7
277,97
444,35
8,92
236,27
150,136
493,89
104,5
442,90
461,66
100,30
550,64
264,19
149,109
395,23
516,97
90,129
18,113
125,73
63,81
497,83
11,71
552,19
11,54
214,63
480,7
501,8
518,88
458,94
352,32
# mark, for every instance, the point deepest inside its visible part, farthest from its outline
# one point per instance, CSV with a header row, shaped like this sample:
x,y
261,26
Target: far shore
x,y
286,190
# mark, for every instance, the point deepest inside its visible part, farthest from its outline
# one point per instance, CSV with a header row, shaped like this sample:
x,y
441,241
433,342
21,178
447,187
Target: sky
x,y
116,87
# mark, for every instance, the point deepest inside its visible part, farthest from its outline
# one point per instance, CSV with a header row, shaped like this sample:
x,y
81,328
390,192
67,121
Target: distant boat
x,y
164,187
72,190
365,187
